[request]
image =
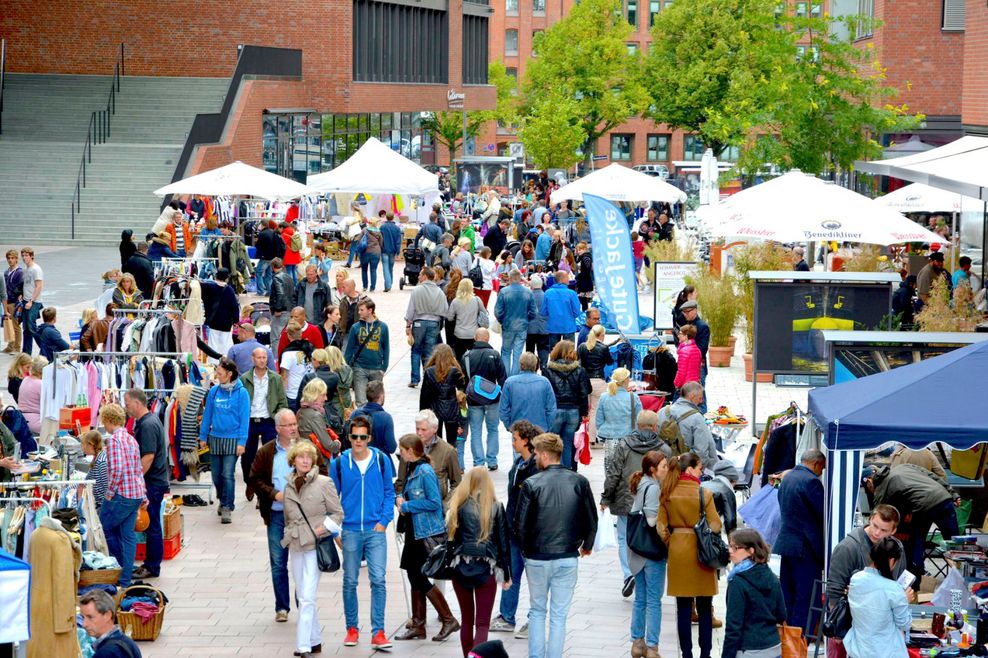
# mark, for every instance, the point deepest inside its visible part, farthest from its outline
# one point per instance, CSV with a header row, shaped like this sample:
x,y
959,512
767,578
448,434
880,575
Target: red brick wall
x,y
974,105
923,61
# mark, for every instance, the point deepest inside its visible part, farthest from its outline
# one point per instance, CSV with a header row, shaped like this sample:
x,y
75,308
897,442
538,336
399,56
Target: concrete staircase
x,y
44,127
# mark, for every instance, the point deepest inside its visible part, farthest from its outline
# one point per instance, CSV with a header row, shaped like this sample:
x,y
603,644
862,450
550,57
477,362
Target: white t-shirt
x,y
32,275
294,363
487,267
362,464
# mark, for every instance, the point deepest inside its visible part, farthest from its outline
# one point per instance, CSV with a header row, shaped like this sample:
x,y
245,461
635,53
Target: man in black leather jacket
x,y
556,521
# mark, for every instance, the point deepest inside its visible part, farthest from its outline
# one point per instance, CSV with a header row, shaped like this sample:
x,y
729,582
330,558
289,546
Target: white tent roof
x,y
960,167
376,169
797,207
619,183
921,198
238,179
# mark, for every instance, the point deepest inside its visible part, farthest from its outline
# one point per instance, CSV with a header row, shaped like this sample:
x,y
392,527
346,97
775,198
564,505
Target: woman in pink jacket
x,y
688,356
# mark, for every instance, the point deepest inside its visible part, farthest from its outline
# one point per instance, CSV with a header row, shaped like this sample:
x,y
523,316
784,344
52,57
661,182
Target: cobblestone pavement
x,y
220,587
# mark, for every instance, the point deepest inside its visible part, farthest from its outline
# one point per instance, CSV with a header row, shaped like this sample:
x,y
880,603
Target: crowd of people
x,y
326,463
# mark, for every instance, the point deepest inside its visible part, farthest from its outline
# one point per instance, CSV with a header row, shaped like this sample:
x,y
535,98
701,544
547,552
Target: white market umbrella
x,y
797,207
376,169
918,197
619,183
238,179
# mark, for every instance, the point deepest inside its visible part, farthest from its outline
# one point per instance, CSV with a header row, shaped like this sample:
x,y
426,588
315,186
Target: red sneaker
x,y
380,641
352,637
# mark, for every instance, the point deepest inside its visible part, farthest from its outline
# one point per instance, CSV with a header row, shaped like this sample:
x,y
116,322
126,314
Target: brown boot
x,y
638,648
415,628
652,652
450,625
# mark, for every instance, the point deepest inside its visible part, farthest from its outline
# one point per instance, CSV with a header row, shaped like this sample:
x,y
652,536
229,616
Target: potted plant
x,y
719,307
940,313
756,257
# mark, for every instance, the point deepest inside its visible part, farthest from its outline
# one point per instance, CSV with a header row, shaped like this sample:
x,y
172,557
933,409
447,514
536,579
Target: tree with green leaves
x,y
552,133
584,58
734,73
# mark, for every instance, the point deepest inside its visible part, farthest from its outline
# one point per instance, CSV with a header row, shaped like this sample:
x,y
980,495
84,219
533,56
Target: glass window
x,y
654,7
632,48
668,3
538,7
386,121
632,12
802,9
800,53
536,35
692,148
621,147
512,71
816,9
658,148
511,7
511,42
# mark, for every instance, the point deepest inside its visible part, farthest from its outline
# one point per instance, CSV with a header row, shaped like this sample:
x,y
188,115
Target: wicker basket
x,y
99,577
135,627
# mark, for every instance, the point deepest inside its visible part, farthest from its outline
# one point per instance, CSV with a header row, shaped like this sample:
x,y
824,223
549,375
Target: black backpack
x,y
477,275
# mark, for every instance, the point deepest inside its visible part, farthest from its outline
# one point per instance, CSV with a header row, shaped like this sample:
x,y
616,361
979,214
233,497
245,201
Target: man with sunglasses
x,y
364,479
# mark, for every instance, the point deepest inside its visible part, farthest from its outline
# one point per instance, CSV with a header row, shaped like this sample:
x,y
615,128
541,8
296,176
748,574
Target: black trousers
x,y
684,624
449,431
259,432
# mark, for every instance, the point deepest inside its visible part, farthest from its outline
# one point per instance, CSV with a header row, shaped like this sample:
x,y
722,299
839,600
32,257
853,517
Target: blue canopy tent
x,y
15,590
938,399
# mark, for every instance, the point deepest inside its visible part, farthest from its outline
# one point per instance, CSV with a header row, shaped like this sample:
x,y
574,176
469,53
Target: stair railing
x,y
97,132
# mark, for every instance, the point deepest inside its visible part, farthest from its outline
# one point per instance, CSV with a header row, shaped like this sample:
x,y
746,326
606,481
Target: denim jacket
x,y
515,308
424,502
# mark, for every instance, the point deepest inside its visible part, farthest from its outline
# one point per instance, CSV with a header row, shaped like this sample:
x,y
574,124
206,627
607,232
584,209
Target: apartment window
x,y
692,148
632,48
632,12
654,7
538,7
658,148
511,42
536,36
421,56
511,71
475,49
813,53
802,9
866,8
511,7
621,147
816,10
668,3
800,53
953,15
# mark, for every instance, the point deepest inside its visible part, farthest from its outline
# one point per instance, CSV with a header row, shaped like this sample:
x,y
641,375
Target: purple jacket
x,y
14,281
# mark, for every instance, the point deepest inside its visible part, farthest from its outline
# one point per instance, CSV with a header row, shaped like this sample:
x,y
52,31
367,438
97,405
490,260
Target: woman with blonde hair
x,y
344,392
92,446
463,255
127,295
20,369
312,419
618,409
312,511
477,527
465,313
594,357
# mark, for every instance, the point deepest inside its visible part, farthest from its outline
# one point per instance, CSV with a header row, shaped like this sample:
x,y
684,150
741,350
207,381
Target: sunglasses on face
x,y
359,437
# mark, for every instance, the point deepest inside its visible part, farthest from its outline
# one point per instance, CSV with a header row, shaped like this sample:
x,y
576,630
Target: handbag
x,y
710,547
437,564
793,642
643,539
480,390
347,411
837,618
483,317
326,555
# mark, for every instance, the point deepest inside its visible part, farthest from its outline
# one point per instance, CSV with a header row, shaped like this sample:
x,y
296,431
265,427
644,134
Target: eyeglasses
x,y
359,437
733,547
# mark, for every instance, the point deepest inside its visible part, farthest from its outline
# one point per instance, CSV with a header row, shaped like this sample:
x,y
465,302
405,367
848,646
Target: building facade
x,y
369,67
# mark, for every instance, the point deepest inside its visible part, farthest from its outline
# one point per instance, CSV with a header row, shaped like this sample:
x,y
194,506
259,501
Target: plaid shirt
x,y
123,458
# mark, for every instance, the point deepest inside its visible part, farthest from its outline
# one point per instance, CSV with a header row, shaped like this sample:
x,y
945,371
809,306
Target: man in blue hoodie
x,y
363,477
561,306
367,349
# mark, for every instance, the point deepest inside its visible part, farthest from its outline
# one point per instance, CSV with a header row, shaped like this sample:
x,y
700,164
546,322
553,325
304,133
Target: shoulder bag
x,y
328,558
837,618
483,317
480,390
711,550
643,538
437,564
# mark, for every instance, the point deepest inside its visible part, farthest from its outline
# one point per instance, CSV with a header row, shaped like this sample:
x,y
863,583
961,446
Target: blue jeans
x,y
29,324
550,587
512,345
371,546
509,597
278,558
292,272
425,334
479,416
154,534
118,517
703,382
622,537
388,265
646,615
565,424
369,263
461,448
223,469
263,275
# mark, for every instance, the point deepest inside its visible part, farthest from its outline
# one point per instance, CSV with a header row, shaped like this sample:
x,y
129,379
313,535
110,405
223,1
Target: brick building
x,y
357,77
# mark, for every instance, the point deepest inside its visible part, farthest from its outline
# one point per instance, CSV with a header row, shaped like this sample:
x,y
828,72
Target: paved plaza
x,y
219,586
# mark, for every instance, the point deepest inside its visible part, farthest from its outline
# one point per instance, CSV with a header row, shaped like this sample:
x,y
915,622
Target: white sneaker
x,y
522,633
499,625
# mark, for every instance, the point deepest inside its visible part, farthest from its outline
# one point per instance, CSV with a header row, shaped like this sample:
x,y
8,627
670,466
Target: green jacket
x,y
7,443
277,400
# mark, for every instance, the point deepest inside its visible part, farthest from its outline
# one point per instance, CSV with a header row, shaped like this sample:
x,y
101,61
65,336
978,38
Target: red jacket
x,y
312,334
291,257
688,356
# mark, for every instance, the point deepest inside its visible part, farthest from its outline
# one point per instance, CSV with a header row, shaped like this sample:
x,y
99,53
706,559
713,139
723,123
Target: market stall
x,y
619,183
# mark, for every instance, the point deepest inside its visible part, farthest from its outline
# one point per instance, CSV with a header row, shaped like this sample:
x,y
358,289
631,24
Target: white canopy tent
x,y
797,207
960,167
238,179
921,198
619,183
376,169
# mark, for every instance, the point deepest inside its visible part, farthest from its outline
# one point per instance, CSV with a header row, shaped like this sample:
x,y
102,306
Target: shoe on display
x,y
522,633
352,637
380,641
499,625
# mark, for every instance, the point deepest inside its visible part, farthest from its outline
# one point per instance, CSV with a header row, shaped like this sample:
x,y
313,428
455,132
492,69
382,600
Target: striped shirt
x,y
98,474
123,458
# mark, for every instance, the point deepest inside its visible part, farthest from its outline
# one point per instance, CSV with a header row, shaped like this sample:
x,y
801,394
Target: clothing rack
x,y
71,353
147,311
25,499
96,538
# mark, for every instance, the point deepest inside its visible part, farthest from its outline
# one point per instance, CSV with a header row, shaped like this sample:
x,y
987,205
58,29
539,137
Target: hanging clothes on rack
x,y
776,450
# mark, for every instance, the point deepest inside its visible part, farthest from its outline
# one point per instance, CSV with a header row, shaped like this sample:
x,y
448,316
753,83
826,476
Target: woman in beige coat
x,y
312,510
687,578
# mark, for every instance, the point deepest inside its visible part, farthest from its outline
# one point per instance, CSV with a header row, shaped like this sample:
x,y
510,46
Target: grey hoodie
x,y
624,460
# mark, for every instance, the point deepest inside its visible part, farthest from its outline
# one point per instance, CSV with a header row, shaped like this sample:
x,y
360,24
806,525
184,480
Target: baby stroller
x,y
414,262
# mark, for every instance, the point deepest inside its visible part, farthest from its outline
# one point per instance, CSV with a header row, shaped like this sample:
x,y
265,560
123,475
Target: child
x,y
461,440
638,249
